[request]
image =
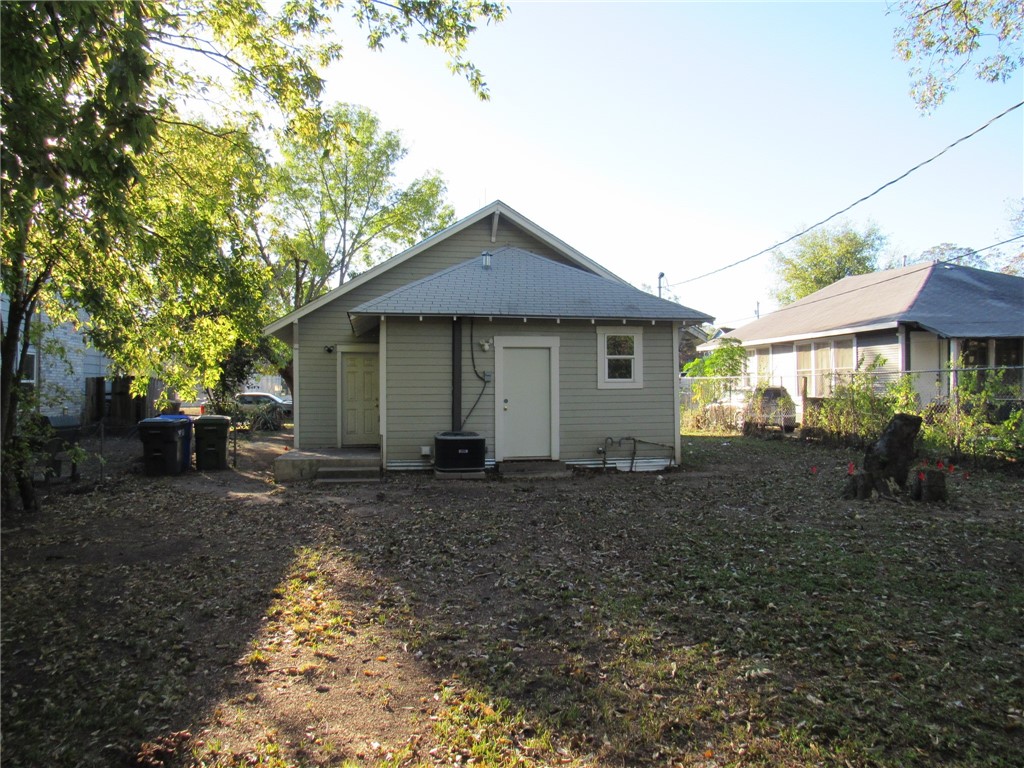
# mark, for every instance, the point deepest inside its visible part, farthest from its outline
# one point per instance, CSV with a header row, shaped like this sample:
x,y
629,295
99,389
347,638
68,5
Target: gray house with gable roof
x,y
497,327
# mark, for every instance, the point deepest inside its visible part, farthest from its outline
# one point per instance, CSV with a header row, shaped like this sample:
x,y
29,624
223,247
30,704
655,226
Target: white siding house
x,y
924,319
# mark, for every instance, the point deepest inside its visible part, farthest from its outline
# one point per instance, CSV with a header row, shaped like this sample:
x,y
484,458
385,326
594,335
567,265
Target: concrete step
x,y
348,474
538,468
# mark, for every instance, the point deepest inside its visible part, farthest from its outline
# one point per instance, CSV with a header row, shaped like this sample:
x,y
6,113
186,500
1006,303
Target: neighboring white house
x,y
72,378
917,319
494,326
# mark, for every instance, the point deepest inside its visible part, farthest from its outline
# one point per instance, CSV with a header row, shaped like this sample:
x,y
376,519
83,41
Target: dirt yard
x,y
731,612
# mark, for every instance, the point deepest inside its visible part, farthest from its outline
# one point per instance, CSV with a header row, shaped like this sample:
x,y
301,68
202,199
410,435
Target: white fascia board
x,y
890,325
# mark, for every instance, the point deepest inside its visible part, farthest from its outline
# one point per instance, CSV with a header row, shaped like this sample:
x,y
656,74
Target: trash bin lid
x,y
158,422
213,419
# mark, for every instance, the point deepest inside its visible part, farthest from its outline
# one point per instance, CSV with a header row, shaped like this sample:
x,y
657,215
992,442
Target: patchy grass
x,y
733,613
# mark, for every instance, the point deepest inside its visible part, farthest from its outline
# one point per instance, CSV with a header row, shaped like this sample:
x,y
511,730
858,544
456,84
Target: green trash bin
x,y
212,442
163,446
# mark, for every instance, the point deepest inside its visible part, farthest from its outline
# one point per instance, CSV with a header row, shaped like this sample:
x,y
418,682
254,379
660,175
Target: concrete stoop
x,y
329,466
353,474
536,469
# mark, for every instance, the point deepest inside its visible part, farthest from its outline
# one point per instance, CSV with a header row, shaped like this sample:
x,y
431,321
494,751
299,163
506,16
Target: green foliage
x,y
248,358
269,418
718,369
76,110
940,40
822,257
445,25
174,297
166,267
858,409
979,421
336,207
727,359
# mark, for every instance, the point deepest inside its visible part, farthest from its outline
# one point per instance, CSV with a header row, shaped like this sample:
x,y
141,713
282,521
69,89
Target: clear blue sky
x,y
681,137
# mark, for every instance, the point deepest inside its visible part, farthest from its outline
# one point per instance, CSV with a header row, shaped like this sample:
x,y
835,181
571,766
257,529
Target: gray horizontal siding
x,y
419,388
317,373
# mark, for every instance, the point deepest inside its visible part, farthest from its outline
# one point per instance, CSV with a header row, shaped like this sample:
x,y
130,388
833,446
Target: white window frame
x,y
34,365
637,380
821,380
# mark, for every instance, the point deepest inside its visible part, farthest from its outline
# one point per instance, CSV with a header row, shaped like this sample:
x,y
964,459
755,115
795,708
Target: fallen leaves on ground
x,y
733,612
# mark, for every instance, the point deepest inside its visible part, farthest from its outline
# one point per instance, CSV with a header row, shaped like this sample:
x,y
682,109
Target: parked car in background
x,y
769,407
252,401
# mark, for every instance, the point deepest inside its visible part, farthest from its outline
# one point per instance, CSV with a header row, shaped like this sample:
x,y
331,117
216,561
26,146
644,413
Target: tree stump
x,y
887,462
929,485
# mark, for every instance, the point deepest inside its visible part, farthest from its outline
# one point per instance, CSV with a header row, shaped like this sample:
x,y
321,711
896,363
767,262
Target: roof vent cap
x,y
485,260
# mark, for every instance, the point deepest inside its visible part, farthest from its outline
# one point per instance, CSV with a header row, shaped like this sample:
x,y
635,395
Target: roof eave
x,y
361,317
845,331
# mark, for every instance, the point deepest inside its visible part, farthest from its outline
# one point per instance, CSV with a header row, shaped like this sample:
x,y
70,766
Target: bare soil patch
x,y
733,612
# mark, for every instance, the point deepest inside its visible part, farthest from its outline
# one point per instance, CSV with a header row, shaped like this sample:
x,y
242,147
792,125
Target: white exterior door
x,y
360,415
526,389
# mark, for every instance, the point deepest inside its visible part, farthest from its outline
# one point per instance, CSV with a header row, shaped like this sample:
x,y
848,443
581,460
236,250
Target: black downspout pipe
x,y
457,374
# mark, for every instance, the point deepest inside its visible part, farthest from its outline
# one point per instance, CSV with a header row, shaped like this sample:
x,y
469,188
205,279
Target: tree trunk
x,y
887,462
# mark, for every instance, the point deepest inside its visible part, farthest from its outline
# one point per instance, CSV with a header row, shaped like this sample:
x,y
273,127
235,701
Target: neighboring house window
x,y
822,364
805,370
29,371
759,368
975,353
620,357
843,361
1008,355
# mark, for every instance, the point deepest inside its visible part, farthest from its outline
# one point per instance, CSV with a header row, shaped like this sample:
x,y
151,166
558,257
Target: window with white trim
x,y
29,374
620,357
759,366
820,365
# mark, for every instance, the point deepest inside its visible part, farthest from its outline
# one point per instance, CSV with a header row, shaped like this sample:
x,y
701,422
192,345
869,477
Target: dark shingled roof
x,y
519,284
947,299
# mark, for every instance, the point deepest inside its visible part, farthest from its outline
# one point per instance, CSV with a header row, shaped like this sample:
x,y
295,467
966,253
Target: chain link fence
x,y
964,406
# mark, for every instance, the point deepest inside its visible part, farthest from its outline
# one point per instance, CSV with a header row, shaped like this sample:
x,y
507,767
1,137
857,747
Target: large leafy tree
x,y
942,39
337,207
86,88
182,287
823,256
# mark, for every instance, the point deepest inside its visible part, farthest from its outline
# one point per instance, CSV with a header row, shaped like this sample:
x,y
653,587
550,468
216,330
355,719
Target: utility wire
x,y
854,204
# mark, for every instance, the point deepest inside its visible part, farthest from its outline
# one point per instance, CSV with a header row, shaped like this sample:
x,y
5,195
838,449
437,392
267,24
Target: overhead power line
x,y
827,219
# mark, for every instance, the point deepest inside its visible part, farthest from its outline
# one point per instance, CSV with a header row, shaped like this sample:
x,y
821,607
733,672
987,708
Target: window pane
x,y
619,345
844,355
975,352
1007,352
620,368
28,367
822,370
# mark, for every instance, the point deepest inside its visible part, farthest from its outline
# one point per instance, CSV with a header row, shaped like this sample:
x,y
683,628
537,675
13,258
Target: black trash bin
x,y
163,445
212,442
186,459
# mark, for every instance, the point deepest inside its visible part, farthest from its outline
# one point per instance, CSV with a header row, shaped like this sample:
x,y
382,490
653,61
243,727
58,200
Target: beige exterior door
x,y
526,411
360,414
